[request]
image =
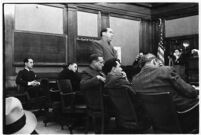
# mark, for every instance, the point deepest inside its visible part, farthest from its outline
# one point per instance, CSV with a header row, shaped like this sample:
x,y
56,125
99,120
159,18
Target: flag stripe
x,y
161,49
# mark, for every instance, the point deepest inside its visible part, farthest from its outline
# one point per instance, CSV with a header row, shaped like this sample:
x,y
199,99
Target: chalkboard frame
x,y
59,37
82,58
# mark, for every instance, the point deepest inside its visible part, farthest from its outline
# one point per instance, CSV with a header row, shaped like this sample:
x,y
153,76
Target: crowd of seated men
x,y
151,77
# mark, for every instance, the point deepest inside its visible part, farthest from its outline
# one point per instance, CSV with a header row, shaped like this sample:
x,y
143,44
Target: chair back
x,y
122,100
161,110
94,99
64,85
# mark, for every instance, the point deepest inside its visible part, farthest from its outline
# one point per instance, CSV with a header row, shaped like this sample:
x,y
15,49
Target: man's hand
x,y
101,78
124,74
34,83
197,88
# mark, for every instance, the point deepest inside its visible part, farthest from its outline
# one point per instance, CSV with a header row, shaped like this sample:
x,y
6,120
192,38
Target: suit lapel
x,y
92,72
108,47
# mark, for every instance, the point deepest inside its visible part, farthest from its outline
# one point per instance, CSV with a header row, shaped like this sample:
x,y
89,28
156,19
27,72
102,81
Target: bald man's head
x,y
150,59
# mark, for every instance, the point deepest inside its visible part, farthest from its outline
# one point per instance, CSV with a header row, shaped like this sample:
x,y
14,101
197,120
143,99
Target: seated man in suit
x,y
91,84
116,78
27,80
71,72
155,78
92,80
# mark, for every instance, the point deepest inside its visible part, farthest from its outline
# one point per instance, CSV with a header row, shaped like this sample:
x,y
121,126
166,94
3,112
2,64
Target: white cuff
x,y
29,83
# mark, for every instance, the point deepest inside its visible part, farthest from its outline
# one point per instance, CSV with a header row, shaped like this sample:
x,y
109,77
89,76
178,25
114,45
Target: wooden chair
x,y
127,117
40,102
23,97
161,110
94,110
99,112
52,116
109,113
70,110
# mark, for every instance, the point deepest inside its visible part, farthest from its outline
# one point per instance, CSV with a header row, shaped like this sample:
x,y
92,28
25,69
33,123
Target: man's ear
x,y
103,33
69,67
113,69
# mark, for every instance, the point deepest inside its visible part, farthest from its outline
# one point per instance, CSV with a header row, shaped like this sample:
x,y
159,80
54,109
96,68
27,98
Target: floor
x,y
55,128
51,128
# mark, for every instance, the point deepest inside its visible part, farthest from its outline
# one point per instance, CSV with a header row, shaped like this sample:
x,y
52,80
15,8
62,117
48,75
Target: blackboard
x,y
84,48
43,48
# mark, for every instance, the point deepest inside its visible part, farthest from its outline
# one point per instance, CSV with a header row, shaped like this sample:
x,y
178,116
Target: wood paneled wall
x,y
8,45
148,28
72,32
175,10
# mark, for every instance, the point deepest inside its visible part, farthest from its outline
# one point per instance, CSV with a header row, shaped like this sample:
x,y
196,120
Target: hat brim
x,y
30,125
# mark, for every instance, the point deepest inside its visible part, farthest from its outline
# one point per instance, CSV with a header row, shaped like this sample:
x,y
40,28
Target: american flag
x,y
161,49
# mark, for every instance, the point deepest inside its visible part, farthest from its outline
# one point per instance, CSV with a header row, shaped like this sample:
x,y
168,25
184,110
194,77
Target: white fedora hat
x,y
18,121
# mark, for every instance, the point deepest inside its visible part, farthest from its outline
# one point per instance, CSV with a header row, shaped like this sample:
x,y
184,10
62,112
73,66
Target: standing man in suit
x,y
155,78
103,47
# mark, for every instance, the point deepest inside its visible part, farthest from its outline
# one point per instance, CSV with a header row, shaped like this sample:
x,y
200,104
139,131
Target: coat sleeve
x,y
88,81
180,85
20,81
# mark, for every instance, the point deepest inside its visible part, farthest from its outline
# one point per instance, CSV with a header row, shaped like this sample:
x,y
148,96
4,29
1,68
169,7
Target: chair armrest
x,y
54,91
67,99
24,97
68,93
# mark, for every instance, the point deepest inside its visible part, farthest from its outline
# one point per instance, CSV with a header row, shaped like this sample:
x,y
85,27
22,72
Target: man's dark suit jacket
x,y
104,49
116,81
24,76
74,77
91,87
165,79
120,82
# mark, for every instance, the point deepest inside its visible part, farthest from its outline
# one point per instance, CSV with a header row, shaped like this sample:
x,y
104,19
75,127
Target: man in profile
x,y
156,78
115,76
116,79
27,80
92,81
103,47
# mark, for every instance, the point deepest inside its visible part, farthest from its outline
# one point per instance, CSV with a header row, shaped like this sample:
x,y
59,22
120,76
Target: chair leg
x,y
62,126
102,124
97,123
61,123
45,123
70,128
87,125
95,127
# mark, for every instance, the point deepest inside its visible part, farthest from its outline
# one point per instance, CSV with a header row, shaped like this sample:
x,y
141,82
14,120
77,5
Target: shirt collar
x,y
27,69
105,40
